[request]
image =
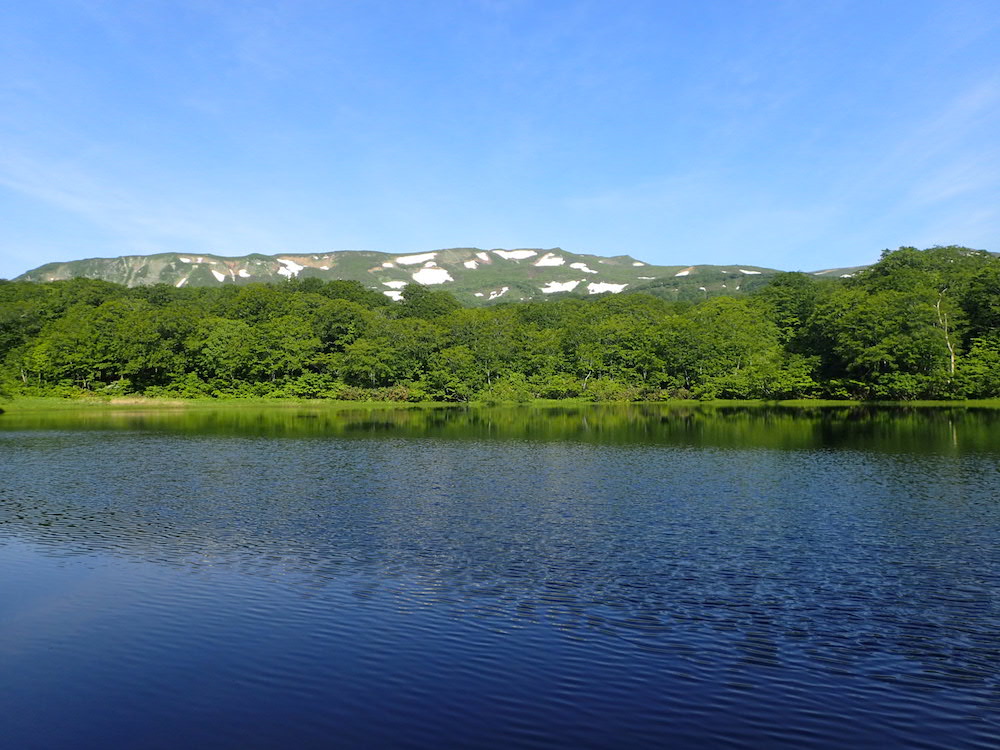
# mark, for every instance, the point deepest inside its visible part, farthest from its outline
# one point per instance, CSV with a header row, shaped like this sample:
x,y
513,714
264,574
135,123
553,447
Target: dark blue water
x,y
172,588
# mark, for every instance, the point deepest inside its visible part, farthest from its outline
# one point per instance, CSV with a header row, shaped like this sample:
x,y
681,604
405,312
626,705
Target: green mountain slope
x,y
473,275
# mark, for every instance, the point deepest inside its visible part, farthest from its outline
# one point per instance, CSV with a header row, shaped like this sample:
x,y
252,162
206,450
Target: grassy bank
x,y
38,403
51,404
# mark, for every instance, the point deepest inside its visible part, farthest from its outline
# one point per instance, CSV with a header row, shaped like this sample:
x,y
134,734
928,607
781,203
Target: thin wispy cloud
x,y
139,223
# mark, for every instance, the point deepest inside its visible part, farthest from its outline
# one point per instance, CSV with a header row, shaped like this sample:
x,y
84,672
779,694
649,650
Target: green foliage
x,y
789,301
512,388
454,375
978,375
370,362
354,291
339,322
917,324
312,385
981,302
558,385
607,389
898,329
421,302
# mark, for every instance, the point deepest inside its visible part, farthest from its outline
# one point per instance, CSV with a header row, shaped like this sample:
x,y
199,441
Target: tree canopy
x,y
917,324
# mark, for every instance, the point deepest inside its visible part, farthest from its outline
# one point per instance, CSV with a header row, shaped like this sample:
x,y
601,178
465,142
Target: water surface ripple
x,y
647,586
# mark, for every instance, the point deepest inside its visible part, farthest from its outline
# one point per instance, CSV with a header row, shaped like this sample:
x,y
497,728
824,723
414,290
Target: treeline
x,y
918,324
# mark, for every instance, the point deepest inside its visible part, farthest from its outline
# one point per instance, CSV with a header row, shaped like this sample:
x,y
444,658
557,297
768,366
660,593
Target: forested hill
x,y
476,277
917,324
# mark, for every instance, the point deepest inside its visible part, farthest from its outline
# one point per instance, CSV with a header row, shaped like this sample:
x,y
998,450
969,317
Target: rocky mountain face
x,y
474,276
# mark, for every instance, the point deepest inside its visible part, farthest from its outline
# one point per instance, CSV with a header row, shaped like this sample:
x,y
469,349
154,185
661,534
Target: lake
x,y
620,576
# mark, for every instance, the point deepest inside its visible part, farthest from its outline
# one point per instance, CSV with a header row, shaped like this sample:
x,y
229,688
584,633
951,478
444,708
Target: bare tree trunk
x,y
943,322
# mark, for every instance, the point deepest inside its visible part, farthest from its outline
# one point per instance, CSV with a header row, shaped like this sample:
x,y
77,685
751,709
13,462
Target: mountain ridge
x,y
474,275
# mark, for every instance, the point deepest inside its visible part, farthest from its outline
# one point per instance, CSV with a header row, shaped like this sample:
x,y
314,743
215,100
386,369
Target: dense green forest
x,y
917,324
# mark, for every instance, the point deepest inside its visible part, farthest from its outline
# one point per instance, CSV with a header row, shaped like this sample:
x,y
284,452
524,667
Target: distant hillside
x,y
474,276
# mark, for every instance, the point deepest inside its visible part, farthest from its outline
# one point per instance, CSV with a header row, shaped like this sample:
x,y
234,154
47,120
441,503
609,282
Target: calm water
x,y
617,577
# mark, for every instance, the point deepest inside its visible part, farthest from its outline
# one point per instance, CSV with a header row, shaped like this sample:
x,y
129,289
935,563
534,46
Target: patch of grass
x,y
129,403
50,404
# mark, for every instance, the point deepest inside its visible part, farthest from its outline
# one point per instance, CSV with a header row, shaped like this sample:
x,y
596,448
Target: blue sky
x,y
793,134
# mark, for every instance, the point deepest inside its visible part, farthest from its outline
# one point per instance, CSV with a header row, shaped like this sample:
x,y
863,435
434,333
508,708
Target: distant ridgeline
x,y
917,324
474,276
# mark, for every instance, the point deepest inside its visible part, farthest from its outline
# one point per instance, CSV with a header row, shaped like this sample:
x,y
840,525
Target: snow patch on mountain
x,y
516,254
412,260
550,259
559,286
432,276
290,267
596,287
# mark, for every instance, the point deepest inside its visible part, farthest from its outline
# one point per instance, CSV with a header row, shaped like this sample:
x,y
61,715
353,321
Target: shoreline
x,y
54,404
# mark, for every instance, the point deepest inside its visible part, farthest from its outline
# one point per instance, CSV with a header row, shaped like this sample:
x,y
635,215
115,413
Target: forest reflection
x,y
945,429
